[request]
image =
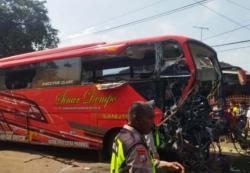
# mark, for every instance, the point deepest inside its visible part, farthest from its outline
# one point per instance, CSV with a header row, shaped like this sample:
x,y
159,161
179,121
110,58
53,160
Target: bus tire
x,y
108,142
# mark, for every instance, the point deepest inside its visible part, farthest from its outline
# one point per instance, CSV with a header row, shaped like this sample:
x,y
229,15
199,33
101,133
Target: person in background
x,y
130,151
235,110
248,118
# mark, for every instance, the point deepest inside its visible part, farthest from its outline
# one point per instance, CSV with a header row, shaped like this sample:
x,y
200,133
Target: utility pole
x,y
201,28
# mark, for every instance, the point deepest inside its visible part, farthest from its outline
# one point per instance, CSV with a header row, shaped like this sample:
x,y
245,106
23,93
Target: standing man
x,y
248,119
130,151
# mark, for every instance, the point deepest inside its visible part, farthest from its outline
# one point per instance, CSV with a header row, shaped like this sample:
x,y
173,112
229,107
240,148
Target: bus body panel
x,y
74,116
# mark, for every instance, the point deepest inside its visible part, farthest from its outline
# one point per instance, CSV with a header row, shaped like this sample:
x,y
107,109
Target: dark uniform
x,y
130,153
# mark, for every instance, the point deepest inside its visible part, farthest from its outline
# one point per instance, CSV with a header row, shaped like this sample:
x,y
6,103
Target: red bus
x,y
79,96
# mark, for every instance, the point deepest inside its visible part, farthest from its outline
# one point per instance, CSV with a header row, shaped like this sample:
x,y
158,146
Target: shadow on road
x,y
81,155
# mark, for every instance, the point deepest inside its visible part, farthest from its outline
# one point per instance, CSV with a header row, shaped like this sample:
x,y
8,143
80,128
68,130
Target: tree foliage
x,y
25,27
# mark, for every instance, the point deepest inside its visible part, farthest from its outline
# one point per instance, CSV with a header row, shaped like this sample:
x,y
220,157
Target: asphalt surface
x,y
23,158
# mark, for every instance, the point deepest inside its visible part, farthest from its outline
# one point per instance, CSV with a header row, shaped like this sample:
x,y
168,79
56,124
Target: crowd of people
x,y
235,110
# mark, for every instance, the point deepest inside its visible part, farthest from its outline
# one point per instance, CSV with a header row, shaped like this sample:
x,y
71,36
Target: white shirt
x,y
248,113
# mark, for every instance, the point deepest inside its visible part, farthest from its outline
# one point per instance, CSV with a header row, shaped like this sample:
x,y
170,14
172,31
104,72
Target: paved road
x,y
24,158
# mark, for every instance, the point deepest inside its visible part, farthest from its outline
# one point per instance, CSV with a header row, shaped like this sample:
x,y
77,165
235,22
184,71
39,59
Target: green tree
x,y
25,27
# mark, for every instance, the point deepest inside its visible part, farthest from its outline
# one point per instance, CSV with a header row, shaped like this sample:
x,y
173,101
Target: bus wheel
x,y
108,142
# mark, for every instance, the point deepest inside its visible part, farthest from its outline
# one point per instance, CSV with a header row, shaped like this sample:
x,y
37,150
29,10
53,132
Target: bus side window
x,y
174,62
58,73
135,63
86,76
105,68
19,77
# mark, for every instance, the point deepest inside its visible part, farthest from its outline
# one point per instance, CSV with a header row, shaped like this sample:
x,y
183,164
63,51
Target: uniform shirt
x,y
150,143
138,159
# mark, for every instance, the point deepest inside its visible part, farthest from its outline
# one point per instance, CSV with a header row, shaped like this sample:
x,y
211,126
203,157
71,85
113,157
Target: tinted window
x,y
205,62
57,73
17,77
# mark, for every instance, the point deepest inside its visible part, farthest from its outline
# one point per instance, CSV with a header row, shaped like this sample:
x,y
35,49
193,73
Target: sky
x,y
224,21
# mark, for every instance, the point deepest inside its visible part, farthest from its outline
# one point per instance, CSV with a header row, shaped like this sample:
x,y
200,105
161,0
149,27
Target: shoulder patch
x,y
142,155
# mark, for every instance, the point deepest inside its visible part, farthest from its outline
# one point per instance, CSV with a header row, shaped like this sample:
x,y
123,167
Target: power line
x,y
154,16
241,6
231,43
229,31
226,32
151,17
236,48
121,15
223,16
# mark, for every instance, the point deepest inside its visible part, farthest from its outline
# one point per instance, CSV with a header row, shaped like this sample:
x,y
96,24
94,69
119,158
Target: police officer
x,y
130,152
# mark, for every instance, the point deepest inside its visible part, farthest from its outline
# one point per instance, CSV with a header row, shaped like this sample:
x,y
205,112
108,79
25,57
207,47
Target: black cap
x,y
139,109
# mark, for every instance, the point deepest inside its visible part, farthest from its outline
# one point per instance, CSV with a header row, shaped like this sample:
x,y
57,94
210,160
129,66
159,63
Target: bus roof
x,y
48,51
80,50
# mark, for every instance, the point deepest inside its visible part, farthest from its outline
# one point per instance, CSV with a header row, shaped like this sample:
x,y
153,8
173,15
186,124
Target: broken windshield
x,y
205,60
